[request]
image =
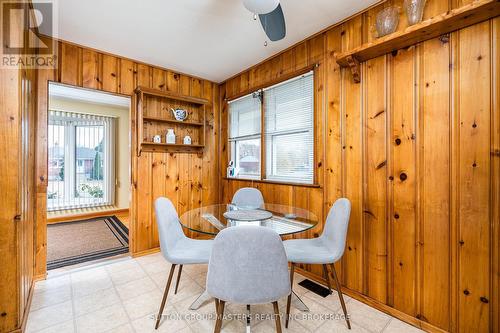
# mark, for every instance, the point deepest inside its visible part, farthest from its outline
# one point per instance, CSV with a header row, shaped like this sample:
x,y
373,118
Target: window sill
x,y
272,182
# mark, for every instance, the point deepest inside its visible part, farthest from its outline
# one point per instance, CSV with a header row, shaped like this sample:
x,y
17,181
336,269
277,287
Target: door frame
x,y
44,80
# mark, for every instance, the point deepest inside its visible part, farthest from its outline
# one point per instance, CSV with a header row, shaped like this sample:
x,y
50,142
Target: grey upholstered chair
x,y
248,266
248,197
175,246
326,249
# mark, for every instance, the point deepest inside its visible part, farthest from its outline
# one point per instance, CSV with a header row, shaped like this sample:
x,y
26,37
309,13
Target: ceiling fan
x,y
270,15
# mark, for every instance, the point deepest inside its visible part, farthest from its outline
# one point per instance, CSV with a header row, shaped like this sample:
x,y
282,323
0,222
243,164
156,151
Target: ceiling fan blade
x,y
274,24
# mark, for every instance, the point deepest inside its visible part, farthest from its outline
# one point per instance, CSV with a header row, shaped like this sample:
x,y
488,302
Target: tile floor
x,y
121,295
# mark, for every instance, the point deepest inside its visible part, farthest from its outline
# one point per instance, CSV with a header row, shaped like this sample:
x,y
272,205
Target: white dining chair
x,y
248,197
248,266
175,246
325,250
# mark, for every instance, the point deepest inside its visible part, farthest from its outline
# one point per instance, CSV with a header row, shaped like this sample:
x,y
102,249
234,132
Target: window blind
x,y
81,160
289,130
244,117
245,135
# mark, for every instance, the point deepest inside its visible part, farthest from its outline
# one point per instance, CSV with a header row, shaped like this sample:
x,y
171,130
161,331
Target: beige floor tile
x,y
160,278
122,265
187,287
200,279
86,282
366,316
142,305
233,326
160,265
53,283
123,295
95,301
83,288
204,313
102,320
340,326
331,301
149,259
49,316
171,322
299,290
66,327
194,270
47,297
89,275
135,288
270,326
124,276
316,316
397,326
203,325
127,328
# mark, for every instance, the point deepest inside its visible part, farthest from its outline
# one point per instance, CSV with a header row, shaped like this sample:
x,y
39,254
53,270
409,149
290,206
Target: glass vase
x,y
387,21
414,10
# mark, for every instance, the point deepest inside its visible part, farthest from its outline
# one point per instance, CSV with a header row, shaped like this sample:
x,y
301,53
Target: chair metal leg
x,y
220,314
165,294
289,300
327,276
178,279
249,315
277,318
339,290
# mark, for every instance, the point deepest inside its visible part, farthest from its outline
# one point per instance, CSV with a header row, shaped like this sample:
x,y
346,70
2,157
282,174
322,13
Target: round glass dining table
x,y
285,220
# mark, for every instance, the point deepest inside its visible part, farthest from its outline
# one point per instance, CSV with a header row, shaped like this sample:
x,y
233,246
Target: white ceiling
x,y
212,39
87,95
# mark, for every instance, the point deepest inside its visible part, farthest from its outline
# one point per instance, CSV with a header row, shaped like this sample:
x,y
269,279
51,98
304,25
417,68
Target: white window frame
x,y
266,155
71,121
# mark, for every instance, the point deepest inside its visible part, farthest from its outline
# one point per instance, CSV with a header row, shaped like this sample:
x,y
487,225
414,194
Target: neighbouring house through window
x,y
81,160
286,143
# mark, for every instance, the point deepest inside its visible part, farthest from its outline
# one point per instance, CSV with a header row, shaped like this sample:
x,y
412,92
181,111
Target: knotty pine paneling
x,y
435,225
189,180
473,103
414,146
402,168
18,132
375,179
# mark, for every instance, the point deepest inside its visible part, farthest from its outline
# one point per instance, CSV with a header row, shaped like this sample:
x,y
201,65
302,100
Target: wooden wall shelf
x,y
170,121
170,95
456,19
155,118
172,148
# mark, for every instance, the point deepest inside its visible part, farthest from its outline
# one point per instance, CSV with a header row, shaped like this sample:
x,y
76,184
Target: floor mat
x,y
71,243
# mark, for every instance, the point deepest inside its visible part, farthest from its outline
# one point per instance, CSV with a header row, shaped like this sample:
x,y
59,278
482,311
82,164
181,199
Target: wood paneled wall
x,y
188,180
415,147
17,131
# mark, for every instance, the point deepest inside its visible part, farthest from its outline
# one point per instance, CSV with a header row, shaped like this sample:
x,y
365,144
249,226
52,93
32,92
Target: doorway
x,y
88,193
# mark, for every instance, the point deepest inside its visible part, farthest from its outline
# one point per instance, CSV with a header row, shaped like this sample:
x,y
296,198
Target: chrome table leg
x,y
201,300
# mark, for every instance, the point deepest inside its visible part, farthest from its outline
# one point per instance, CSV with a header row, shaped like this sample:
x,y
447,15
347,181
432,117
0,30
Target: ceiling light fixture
x,y
261,6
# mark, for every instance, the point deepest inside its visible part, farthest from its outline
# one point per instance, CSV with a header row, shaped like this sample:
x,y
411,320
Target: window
x,y
245,136
287,140
81,160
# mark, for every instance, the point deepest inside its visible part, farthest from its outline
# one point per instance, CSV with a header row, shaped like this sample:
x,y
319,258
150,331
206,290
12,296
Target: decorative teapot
x,y
179,114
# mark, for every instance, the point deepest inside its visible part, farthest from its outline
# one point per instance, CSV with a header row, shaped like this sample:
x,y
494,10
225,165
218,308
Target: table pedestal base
x,y
205,298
